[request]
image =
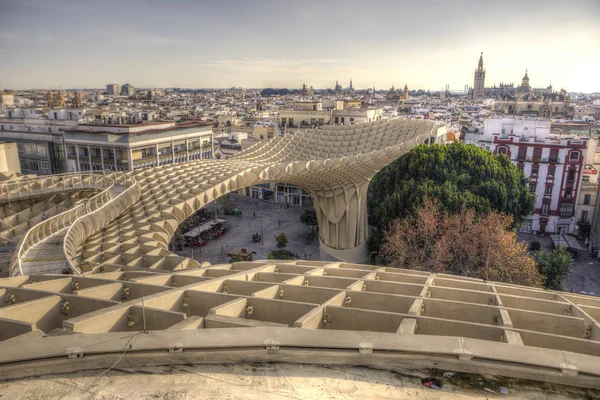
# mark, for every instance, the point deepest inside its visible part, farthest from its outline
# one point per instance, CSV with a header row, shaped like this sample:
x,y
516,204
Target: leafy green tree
x,y
281,240
458,175
534,245
309,217
554,266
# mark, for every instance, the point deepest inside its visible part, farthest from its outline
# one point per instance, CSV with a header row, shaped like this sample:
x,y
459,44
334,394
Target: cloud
x,y
252,63
11,36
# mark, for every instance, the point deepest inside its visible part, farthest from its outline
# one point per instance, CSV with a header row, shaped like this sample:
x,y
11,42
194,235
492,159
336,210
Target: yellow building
x,y
9,159
306,113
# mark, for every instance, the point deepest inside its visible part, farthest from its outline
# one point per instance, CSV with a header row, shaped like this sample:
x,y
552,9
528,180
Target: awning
x,y
567,241
202,228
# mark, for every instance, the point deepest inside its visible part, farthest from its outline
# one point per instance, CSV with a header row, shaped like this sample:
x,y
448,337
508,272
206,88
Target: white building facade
x,y
129,147
554,168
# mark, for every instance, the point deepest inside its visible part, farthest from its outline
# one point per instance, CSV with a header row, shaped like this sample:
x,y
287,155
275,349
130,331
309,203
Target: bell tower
x,y
479,84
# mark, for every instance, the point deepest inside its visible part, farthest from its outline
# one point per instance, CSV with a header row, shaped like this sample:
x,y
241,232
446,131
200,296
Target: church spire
x,y
480,65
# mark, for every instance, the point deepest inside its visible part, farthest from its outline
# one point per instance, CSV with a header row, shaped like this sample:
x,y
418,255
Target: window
x,y
571,175
291,122
98,153
337,120
35,165
532,187
568,192
32,149
314,107
522,153
583,217
574,155
548,189
529,106
44,166
283,121
534,170
545,208
502,150
537,154
553,155
343,120
566,210
586,199
550,171
351,120
585,178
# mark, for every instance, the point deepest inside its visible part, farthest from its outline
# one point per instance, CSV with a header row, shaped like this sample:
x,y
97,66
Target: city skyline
x,y
271,44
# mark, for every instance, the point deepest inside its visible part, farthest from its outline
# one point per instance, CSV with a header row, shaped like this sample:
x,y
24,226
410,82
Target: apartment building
x,y
112,89
587,201
39,137
129,147
356,115
305,113
554,166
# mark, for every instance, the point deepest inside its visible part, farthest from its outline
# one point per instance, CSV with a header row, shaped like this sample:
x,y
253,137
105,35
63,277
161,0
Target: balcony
x,y
539,159
584,221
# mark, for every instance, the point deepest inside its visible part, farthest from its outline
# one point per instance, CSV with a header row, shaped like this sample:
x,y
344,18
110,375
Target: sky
x,y
285,43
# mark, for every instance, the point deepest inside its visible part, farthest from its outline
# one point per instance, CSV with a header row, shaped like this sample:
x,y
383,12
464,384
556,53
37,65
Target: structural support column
x,y
89,157
157,154
172,152
130,158
115,157
343,226
77,158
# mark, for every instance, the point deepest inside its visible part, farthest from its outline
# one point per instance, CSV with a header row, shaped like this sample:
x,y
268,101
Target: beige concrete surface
x,y
334,164
271,381
296,311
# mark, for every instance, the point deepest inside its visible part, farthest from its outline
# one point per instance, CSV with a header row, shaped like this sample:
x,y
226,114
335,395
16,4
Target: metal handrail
x,y
80,230
43,230
12,190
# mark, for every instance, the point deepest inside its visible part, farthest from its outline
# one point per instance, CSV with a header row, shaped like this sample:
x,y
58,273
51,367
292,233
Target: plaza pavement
x,y
274,218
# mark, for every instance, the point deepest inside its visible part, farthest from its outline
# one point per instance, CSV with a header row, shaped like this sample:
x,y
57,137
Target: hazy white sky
x,y
284,43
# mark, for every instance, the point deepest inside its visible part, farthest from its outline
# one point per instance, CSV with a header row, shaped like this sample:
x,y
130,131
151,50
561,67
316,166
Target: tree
x,y
554,266
235,259
309,218
535,245
281,240
435,240
459,175
226,204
